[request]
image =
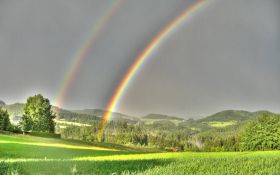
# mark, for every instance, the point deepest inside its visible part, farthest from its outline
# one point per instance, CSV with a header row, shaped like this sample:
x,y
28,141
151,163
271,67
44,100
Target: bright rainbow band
x,y
145,54
83,51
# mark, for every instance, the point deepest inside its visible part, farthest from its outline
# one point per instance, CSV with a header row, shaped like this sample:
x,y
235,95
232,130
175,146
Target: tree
x,y
262,134
4,120
38,115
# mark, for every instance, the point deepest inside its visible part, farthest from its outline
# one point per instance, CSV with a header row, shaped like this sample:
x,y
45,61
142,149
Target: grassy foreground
x,y
35,155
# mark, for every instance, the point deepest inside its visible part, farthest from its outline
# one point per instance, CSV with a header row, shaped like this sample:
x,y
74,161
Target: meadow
x,y
21,154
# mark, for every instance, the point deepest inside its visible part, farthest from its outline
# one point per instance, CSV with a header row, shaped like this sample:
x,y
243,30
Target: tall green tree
x,y
4,120
262,134
38,115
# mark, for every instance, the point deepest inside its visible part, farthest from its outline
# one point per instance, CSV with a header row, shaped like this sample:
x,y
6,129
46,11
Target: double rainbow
x,y
83,51
145,54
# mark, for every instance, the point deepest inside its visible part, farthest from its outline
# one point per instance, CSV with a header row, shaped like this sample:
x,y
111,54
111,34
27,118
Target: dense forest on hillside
x,y
256,133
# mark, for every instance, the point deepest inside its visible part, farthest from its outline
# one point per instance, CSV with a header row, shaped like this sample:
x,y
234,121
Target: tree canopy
x,y
262,134
38,115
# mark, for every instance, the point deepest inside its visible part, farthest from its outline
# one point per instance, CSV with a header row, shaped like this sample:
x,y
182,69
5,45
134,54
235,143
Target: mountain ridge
x,y
91,115
161,116
2,103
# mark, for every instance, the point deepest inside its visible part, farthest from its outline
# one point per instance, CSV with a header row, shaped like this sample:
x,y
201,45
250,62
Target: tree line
x,y
263,133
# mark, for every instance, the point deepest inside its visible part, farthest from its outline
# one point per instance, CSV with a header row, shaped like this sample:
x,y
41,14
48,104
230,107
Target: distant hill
x,y
223,119
83,116
229,115
68,115
15,111
2,103
232,115
227,118
115,116
161,117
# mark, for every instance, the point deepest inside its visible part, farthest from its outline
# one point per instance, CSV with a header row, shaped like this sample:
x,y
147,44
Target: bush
x,y
15,129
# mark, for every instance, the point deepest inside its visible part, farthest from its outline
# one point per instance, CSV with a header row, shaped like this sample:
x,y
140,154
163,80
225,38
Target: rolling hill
x,y
221,119
16,112
228,115
159,119
2,103
115,116
81,116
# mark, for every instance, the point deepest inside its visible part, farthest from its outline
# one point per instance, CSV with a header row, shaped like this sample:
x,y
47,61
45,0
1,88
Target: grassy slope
x,y
36,155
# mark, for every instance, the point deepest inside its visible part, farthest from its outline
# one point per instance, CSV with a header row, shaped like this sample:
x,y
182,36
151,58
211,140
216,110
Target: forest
x,y
261,133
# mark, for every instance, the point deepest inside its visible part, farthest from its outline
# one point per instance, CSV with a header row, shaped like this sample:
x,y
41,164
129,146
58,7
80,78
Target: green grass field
x,y
218,124
36,155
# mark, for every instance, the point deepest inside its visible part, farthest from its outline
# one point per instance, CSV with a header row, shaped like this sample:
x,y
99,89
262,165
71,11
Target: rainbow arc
x,y
82,52
144,55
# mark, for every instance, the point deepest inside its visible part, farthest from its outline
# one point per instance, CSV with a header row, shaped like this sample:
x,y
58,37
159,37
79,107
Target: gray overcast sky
x,y
227,56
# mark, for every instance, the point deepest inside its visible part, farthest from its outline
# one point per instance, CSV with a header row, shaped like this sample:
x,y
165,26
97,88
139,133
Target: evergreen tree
x,y
4,120
38,115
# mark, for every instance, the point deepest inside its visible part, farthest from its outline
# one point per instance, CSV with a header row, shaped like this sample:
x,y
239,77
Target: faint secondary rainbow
x,y
82,52
143,57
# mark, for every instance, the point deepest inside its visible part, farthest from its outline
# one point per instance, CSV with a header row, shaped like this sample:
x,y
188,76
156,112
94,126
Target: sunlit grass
x,y
57,145
178,155
30,147
67,123
250,164
218,124
50,156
